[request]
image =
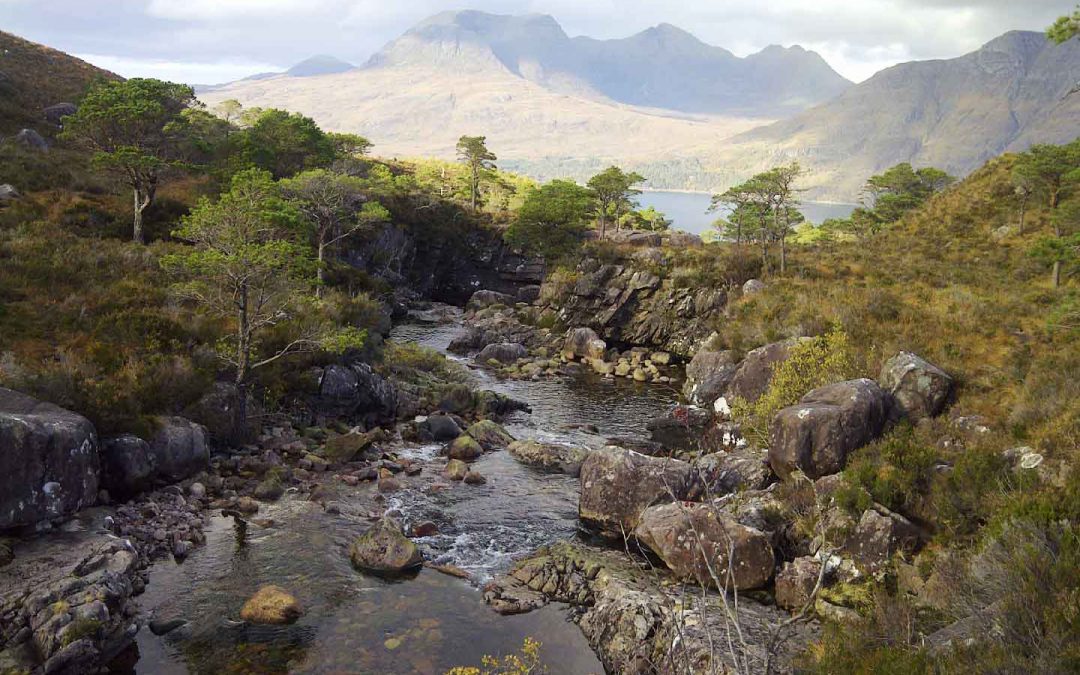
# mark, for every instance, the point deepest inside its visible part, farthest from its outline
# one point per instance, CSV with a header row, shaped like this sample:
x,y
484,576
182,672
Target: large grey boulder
x,y
721,473
701,543
754,373
617,485
357,391
216,411
485,298
57,112
503,352
816,434
583,343
179,449
49,461
879,534
919,388
127,466
708,375
28,138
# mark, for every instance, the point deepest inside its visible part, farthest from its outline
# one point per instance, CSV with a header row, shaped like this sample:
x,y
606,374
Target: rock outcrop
x,y
879,534
816,434
179,449
583,343
127,466
919,388
503,352
357,392
485,298
701,543
708,375
721,473
49,461
617,485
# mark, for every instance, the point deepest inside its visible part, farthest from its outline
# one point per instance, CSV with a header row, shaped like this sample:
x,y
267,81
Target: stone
x,y
490,435
358,392
528,294
722,473
879,534
617,485
795,583
57,112
817,434
464,448
503,352
485,298
754,373
269,490
549,456
584,343
49,461
708,375
127,466
271,605
920,389
424,529
442,428
197,491
179,449
474,477
753,286
456,469
348,447
216,411
28,138
660,358
8,193
681,428
700,542
247,505
383,549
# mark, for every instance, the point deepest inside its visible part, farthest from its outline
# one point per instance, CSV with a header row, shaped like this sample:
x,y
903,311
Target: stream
x,y
354,623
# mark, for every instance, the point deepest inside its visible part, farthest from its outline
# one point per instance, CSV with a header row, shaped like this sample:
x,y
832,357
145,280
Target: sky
x,y
214,41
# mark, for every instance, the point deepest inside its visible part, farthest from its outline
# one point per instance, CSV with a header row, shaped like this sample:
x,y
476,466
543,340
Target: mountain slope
x,y
33,76
662,67
954,114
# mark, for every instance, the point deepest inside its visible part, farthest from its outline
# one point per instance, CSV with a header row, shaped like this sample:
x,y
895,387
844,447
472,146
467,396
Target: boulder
x,y
57,112
28,138
8,193
456,469
708,375
481,299
271,605
920,389
178,449
442,428
722,473
384,549
503,352
681,428
127,466
816,434
754,373
49,460
879,534
618,484
549,456
464,448
490,435
753,286
357,392
696,540
349,447
528,294
795,582
216,411
584,343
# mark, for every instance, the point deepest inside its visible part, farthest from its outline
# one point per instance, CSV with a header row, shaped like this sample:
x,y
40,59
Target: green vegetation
x,y
552,220
763,209
887,197
613,192
1065,28
473,153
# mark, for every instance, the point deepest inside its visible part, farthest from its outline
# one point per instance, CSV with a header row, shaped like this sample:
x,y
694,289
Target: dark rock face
x,y
700,542
485,298
442,427
708,376
357,392
617,485
722,473
384,549
216,411
629,306
127,467
56,113
503,352
816,434
879,534
49,460
920,388
179,449
31,139
528,294
754,373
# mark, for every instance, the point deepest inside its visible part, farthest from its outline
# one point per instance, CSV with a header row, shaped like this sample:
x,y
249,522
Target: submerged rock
x,y
384,549
617,485
817,434
464,448
456,469
700,542
271,605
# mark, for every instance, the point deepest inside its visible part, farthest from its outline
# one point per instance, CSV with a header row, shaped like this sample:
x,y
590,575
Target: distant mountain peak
x,y
320,64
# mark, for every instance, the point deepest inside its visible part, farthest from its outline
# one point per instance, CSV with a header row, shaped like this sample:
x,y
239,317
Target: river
x,y
688,211
362,624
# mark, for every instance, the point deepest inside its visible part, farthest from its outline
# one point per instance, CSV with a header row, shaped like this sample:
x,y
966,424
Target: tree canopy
x,y
286,143
613,191
552,220
473,152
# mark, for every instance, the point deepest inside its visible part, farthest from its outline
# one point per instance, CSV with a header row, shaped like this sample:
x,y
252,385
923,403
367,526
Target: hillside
x,y
33,76
954,114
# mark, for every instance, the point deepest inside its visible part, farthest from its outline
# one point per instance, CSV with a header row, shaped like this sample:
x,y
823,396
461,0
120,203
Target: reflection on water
x,y
361,624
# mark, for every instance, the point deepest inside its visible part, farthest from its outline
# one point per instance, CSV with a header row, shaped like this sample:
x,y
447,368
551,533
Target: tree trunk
x,y
320,274
783,254
475,185
1056,274
142,200
243,355
1023,211
603,224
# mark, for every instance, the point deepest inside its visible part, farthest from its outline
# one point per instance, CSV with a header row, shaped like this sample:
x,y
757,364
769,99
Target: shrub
x,y
896,471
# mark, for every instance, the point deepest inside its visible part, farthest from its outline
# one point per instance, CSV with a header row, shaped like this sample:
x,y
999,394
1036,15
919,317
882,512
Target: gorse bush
x,y
812,363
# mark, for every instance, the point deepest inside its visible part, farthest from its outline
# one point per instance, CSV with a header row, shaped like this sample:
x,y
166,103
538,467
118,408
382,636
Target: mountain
x,y
662,67
954,114
319,65
33,76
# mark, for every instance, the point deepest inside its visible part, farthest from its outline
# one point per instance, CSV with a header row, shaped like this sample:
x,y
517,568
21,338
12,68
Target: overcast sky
x,y
212,41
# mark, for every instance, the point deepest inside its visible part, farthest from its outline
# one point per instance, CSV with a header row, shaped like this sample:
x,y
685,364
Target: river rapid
x,y
355,623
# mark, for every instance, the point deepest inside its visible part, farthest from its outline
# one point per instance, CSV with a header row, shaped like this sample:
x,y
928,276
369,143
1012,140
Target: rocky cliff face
x,y
628,305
